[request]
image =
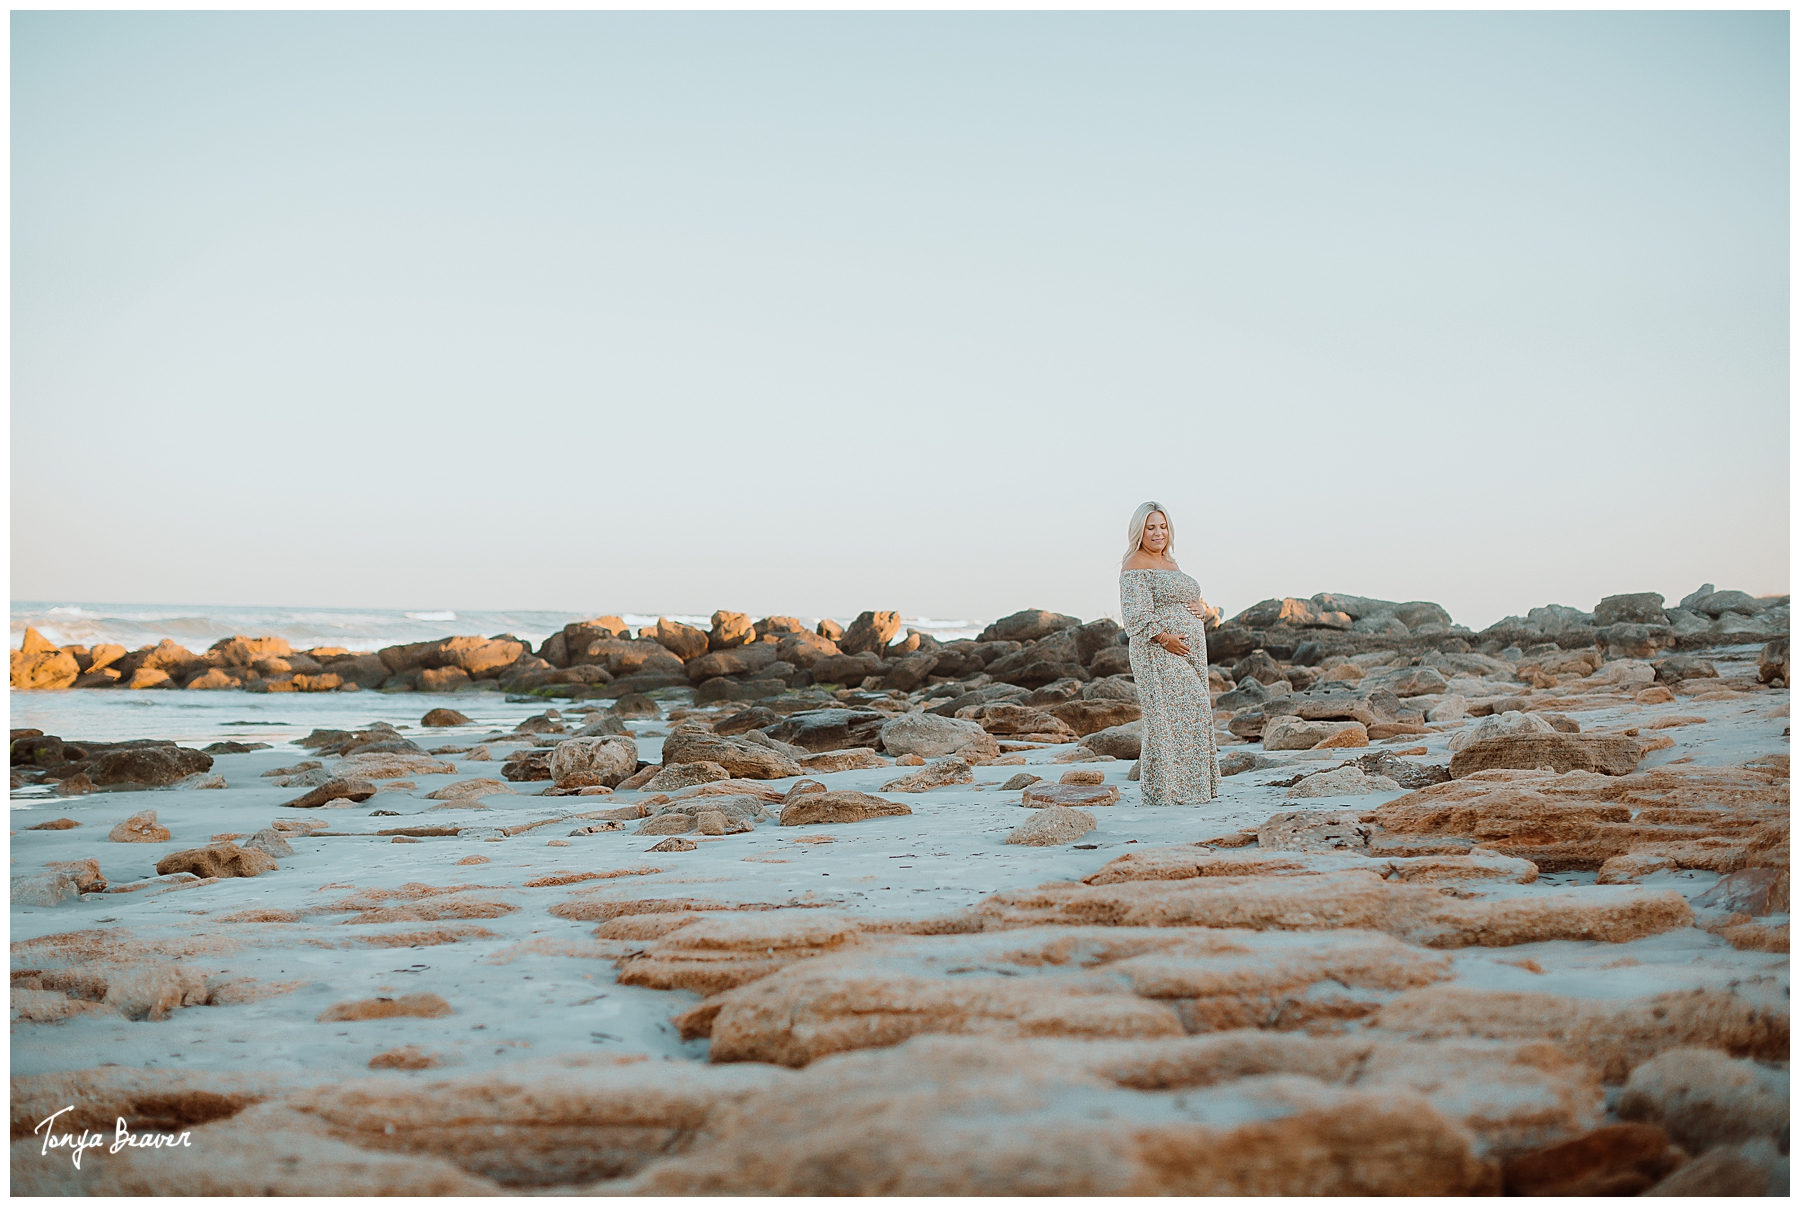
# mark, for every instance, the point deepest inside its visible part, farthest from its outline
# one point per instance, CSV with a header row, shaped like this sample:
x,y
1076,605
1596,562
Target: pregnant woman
x,y
1165,618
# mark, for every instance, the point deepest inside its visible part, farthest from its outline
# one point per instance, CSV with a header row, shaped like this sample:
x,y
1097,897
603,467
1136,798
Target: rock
x,y
139,827
1605,753
1381,626
1617,1159
465,789
911,672
831,808
35,642
1344,781
1022,780
1501,725
847,669
1084,776
245,651
1452,706
729,630
270,842
370,765
1259,666
819,730
443,718
855,759
1052,827
1752,891
349,789
934,737
1653,695
1386,764
1703,1099
634,706
1013,719
683,641
675,777
444,679
742,758
61,823
1040,795
603,725
1113,660
171,659
220,859
1033,624
1772,663
75,785
1115,687
49,670
411,1005
869,632
667,823
780,626
1634,640
1084,717
1293,733
1420,681
233,747
1679,667
200,779
1717,603
712,665
1315,830
939,774
671,845
604,761
711,822
155,765
805,649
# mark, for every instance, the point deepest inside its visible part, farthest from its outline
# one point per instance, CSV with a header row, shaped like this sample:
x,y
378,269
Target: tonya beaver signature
x,y
83,1140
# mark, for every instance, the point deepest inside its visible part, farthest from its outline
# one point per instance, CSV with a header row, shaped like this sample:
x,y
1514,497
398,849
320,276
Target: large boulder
x,y
153,765
822,729
166,657
1091,716
729,630
1052,827
1015,719
1124,742
44,671
619,657
718,662
1645,607
932,737
847,669
1294,733
607,760
367,671
1772,662
1715,604
804,649
1608,754
476,657
245,651
869,633
683,641
744,759
910,673
1033,624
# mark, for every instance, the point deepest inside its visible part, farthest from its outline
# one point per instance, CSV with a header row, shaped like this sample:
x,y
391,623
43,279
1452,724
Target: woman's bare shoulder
x,y
1143,561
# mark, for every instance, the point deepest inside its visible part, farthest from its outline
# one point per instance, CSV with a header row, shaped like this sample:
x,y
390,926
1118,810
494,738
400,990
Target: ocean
x,y
199,717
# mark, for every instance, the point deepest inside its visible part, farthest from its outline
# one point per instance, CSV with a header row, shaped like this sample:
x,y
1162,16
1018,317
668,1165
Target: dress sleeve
x,y
1135,608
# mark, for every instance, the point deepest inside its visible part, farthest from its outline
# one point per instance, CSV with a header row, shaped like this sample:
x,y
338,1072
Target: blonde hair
x,y
1134,532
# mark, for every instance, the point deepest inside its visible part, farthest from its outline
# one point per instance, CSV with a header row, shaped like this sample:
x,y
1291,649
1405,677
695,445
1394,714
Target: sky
x,y
815,312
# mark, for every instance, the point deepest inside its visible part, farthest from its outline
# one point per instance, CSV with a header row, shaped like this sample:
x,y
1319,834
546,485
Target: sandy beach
x,y
1475,911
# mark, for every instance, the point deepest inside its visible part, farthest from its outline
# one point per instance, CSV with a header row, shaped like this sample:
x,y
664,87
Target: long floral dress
x,y
1180,763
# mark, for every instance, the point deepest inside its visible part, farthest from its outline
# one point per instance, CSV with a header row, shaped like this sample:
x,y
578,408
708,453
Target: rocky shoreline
x,y
775,911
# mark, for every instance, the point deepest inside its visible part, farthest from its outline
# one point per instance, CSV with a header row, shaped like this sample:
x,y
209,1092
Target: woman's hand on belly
x,y
1172,642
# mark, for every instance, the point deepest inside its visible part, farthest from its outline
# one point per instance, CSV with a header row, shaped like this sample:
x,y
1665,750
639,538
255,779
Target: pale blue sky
x,y
816,312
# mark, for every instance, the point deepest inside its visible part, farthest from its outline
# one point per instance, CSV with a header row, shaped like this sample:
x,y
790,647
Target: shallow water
x,y
197,626
200,717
